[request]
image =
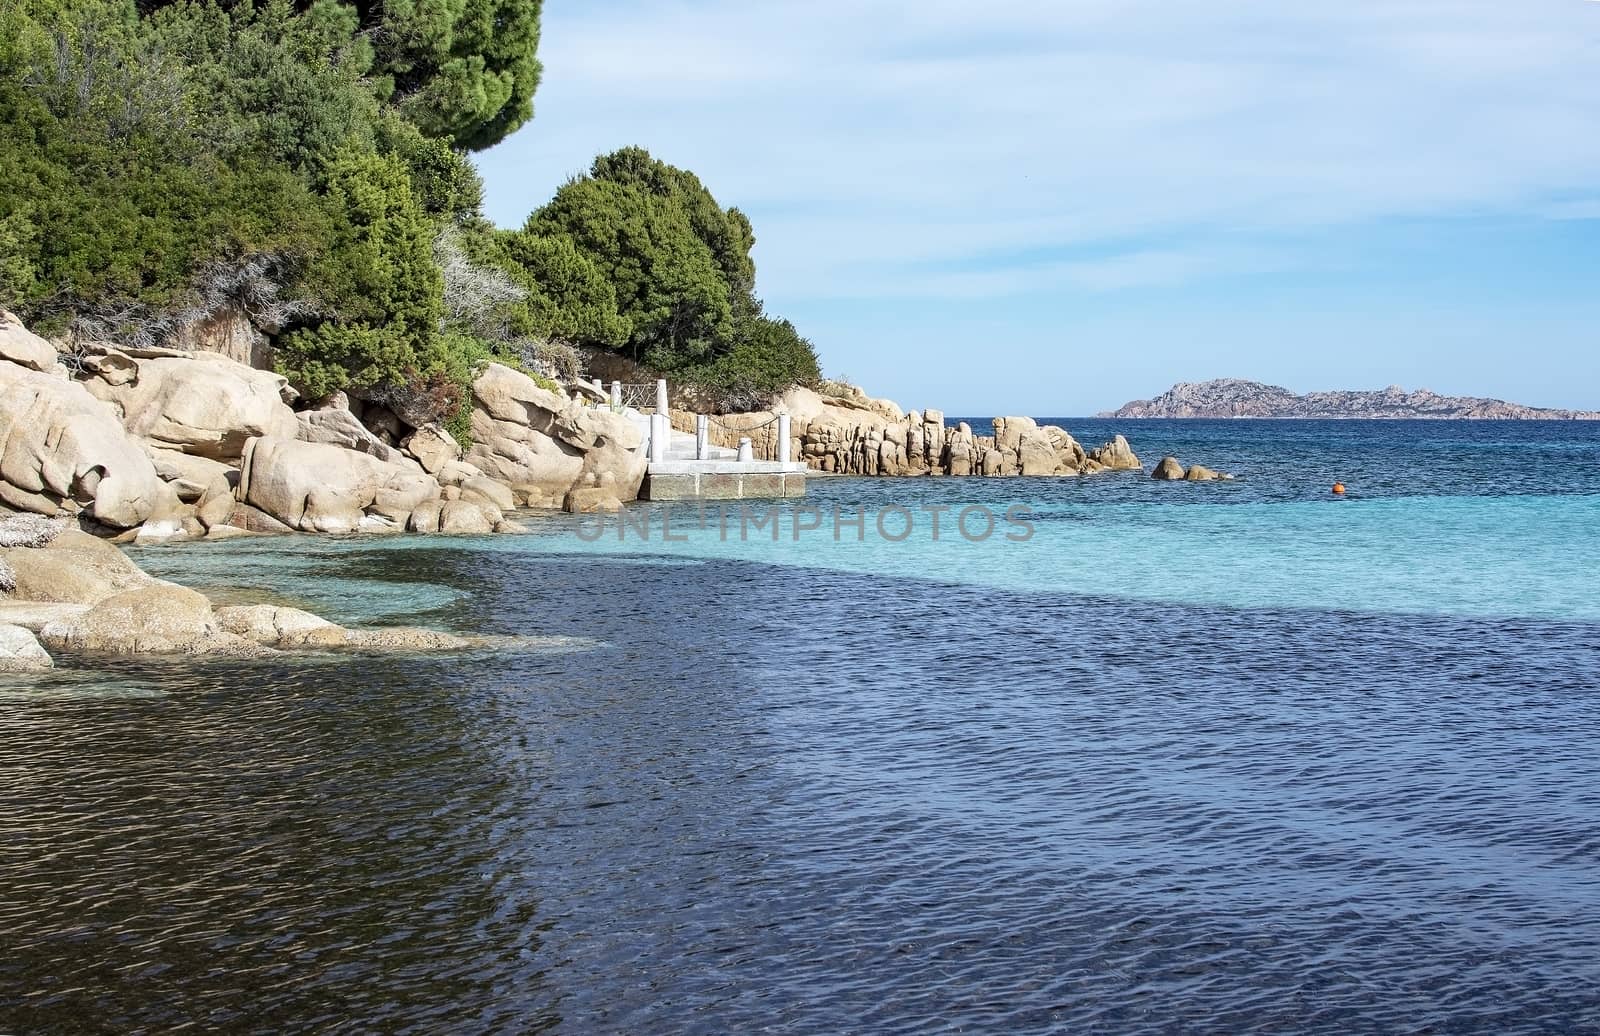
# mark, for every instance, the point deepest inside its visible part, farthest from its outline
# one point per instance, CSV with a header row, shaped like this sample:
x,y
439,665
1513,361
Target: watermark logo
x,y
746,522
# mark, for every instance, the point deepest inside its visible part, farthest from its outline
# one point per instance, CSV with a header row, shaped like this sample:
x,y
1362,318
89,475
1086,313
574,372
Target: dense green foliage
x,y
304,161
680,271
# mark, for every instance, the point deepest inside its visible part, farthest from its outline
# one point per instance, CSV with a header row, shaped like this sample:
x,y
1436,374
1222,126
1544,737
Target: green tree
x,y
639,233
465,70
568,298
113,201
679,265
376,282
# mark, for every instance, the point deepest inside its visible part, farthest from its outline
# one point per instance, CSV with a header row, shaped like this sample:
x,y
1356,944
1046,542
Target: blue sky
x,y
1055,207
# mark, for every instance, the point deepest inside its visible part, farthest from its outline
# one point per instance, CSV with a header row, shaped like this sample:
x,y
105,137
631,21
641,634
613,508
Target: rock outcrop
x,y
852,434
200,403
64,452
83,595
544,445
20,651
163,444
1233,397
1168,470
318,487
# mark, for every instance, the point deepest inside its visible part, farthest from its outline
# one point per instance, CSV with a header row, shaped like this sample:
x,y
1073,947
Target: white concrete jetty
x,y
688,467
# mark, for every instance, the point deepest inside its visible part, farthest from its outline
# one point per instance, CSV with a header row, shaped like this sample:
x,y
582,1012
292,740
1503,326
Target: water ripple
x,y
888,806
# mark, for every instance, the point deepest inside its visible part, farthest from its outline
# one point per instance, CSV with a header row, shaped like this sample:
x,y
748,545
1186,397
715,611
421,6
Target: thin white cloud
x,y
869,138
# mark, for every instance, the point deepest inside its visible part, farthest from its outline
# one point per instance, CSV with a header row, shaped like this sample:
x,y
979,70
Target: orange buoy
x,y
1338,489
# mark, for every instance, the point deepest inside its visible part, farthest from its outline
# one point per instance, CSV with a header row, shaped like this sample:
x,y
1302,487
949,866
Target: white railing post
x,y
746,453
783,438
661,396
616,394
702,437
660,430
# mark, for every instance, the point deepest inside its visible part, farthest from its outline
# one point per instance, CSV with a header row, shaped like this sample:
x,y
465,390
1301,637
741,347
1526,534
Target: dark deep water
x,y
786,799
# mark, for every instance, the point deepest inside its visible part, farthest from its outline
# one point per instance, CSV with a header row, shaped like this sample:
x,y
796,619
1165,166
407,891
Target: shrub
x,y
376,284
554,360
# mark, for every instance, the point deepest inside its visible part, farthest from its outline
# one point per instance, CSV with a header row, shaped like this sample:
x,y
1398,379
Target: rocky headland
x,y
1232,397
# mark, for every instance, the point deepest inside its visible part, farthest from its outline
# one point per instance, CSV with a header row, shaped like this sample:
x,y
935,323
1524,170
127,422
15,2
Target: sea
x,y
1098,755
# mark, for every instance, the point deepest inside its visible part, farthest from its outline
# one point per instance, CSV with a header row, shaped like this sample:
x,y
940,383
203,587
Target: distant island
x,y
1235,397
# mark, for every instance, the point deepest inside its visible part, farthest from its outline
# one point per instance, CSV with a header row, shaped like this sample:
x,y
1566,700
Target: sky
x,y
1052,208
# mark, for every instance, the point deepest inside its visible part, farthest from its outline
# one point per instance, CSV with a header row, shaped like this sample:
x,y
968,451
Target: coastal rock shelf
x,y
160,445
69,591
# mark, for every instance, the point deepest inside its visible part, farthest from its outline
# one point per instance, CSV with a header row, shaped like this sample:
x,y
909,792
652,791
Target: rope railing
x,y
730,426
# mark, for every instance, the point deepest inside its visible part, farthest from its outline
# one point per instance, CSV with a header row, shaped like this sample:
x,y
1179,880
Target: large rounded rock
x,y
206,404
162,619
433,448
1200,473
466,518
1116,455
189,474
74,567
1169,470
508,395
425,518
20,652
21,346
1009,431
64,452
315,487
522,455
592,499
525,435
337,426
1036,454
487,490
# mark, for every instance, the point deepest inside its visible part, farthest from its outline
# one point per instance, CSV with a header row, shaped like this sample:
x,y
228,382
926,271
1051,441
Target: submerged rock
x,y
404,638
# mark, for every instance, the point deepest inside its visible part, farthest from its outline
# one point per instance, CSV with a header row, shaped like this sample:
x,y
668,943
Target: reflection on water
x,y
793,800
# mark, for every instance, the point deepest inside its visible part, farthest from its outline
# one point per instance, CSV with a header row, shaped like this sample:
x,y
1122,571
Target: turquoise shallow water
x,y
1226,758
1456,518
1526,557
